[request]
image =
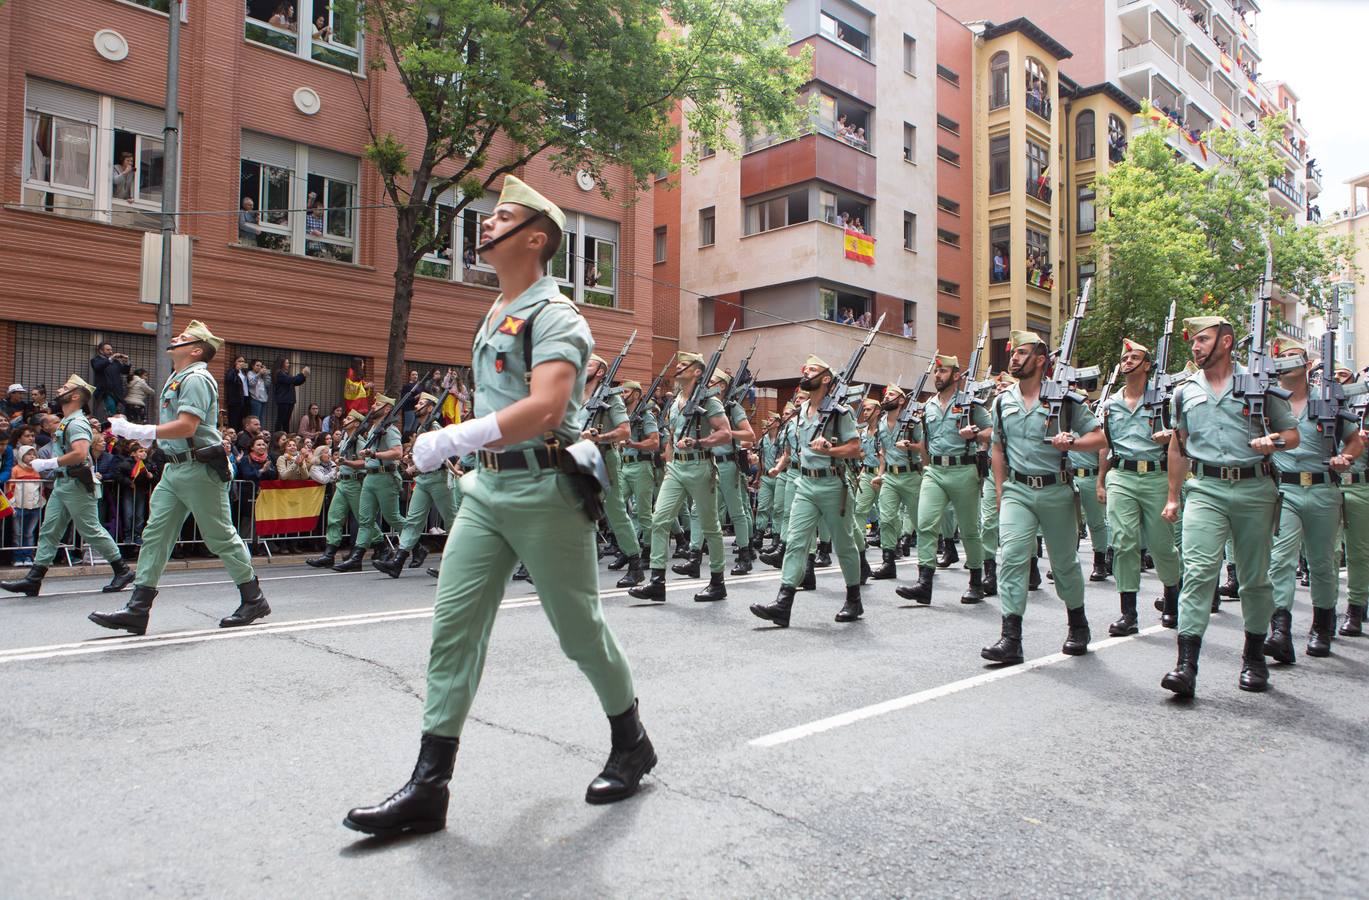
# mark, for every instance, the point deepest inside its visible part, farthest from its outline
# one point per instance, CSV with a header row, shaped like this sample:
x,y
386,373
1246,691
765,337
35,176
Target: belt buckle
x,y
1036,481
1142,466
491,460
1230,473
1305,479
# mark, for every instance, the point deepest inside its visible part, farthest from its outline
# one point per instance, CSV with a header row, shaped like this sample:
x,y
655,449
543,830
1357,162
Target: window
x,y
325,31
910,319
776,212
948,237
947,205
948,155
708,152
1038,172
330,206
600,272
950,288
1000,168
271,191
843,306
161,6
1038,89
948,125
998,80
658,245
910,54
267,222
845,120
1086,209
1038,259
948,319
844,210
1086,271
1000,254
335,37
707,227
1084,135
948,74
437,263
909,143
845,33
1117,139
662,174
909,230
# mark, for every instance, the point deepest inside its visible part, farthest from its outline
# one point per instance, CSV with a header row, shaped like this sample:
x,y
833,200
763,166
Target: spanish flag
x,y
1226,117
451,410
288,507
860,247
1226,62
6,510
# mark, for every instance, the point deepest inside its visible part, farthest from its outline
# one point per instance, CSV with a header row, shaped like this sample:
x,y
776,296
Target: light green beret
x,y
1019,338
950,361
198,331
815,360
516,191
1195,324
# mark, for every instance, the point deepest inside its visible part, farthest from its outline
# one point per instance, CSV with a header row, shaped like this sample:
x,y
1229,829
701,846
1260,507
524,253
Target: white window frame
x,y
295,227
303,36
328,238
708,214
910,231
57,187
137,204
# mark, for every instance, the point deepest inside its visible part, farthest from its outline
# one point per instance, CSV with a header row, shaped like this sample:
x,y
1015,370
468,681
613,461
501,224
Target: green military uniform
x,y
615,506
432,490
865,491
639,469
1355,497
379,488
1085,466
821,494
788,479
346,499
901,483
950,482
72,502
767,511
731,488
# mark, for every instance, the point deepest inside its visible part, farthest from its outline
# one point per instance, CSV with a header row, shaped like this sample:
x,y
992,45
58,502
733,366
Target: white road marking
x,y
888,706
176,584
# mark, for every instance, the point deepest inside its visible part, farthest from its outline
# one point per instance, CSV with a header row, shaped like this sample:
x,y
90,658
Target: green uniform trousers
x,y
988,518
956,487
687,479
765,505
615,506
346,500
535,517
1135,501
866,498
190,489
639,484
379,496
1025,512
1214,510
1356,499
1094,515
430,492
825,500
1311,519
70,502
730,496
896,491
784,498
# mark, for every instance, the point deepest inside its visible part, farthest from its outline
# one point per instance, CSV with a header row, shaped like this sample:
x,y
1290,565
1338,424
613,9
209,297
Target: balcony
x,y
1286,189
1313,214
834,65
813,156
1313,183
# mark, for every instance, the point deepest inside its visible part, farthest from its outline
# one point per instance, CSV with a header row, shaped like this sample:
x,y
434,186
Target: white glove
x,y
126,429
43,466
431,448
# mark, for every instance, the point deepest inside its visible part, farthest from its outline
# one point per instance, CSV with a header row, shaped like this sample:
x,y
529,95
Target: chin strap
x,y
494,242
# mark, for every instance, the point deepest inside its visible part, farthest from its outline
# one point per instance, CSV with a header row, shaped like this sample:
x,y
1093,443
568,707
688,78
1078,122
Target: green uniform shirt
x,y
735,415
606,419
1218,433
192,390
941,424
1308,455
676,419
1080,460
1023,432
560,333
770,452
840,429
641,428
791,442
889,435
1129,431
387,441
869,447
75,427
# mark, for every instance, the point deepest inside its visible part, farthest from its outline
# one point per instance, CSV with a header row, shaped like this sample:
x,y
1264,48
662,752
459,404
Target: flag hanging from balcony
x,y
1160,119
1250,89
860,247
288,507
1226,62
1226,117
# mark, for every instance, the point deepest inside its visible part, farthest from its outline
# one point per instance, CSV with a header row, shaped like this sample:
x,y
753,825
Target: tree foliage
x,y
591,84
1168,230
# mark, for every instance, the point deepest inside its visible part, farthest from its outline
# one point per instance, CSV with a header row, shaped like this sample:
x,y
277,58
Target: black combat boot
x,y
777,612
1323,628
1169,606
1147,561
810,576
1127,623
757,538
252,606
521,573
421,805
990,578
743,566
921,591
1353,626
618,561
852,609
1033,575
872,536
681,546
949,555
690,567
823,558
325,559
975,592
1109,561
716,589
1100,566
631,757
1008,650
1184,679
434,571
353,561
865,570
1254,670
420,553
633,576
133,617
905,545
30,584
1232,589
775,558
394,566
1279,645
1077,638
653,589
1216,599
888,568
123,577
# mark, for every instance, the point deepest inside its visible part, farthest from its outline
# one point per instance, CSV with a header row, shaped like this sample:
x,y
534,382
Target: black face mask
x,y
812,384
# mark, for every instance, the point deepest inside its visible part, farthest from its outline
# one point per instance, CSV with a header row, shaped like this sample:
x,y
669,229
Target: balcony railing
x,y
1288,189
1313,171
1314,214
1292,331
1039,105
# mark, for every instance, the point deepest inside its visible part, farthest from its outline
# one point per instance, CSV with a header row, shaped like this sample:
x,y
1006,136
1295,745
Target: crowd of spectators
x,y
852,134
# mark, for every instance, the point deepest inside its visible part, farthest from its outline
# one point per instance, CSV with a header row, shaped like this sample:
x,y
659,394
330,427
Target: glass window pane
x,y
151,169
124,155
71,154
606,255
276,202
339,209
39,146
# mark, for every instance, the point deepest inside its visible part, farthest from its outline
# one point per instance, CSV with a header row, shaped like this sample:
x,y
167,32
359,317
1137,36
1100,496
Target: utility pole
x,y
170,179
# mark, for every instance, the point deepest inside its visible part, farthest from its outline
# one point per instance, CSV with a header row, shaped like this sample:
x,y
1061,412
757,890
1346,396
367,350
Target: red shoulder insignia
x,y
512,325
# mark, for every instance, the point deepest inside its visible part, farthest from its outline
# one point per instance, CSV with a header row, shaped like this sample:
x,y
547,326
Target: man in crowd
x,y
283,386
109,370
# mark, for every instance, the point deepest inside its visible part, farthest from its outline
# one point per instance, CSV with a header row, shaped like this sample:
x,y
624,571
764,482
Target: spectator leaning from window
x,y
236,392
136,396
322,31
283,386
124,174
311,423
908,329
109,369
333,421
259,388
313,224
356,388
249,223
25,495
284,17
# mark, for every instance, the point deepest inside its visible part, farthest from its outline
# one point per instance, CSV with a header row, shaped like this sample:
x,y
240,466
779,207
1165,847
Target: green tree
x,y
1174,232
591,84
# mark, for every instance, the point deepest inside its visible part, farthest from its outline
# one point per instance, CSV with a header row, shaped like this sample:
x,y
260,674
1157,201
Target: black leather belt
x,y
187,456
1142,466
1042,481
819,473
1306,479
967,459
1354,477
1231,473
901,470
516,460
726,457
1084,473
690,456
639,456
872,470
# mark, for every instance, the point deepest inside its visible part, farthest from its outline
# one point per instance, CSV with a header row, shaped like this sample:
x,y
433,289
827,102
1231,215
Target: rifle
x,y
437,411
694,406
599,400
373,436
743,378
914,408
833,401
1259,382
644,402
1056,390
1107,388
1160,386
1328,403
964,400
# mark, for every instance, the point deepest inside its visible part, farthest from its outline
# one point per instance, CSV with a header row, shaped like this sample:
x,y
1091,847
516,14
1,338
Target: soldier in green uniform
x,y
431,491
641,449
1311,517
1231,494
346,499
1355,497
866,493
194,482
606,428
381,449
689,473
822,493
1034,494
1133,486
730,494
988,509
1088,487
767,454
525,500
786,476
73,495
951,481
899,477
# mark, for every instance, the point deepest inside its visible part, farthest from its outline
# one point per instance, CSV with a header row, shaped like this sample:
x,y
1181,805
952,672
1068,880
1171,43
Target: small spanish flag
x,y
451,410
6,510
288,507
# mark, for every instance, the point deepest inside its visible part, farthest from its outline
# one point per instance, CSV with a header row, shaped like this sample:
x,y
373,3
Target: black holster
x,y
216,459
85,476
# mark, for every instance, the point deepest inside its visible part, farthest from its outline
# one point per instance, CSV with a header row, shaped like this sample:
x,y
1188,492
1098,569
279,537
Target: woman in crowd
x,y
311,423
136,396
291,465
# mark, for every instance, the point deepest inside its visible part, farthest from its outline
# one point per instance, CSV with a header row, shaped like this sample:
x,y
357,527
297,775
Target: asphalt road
x,y
874,759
